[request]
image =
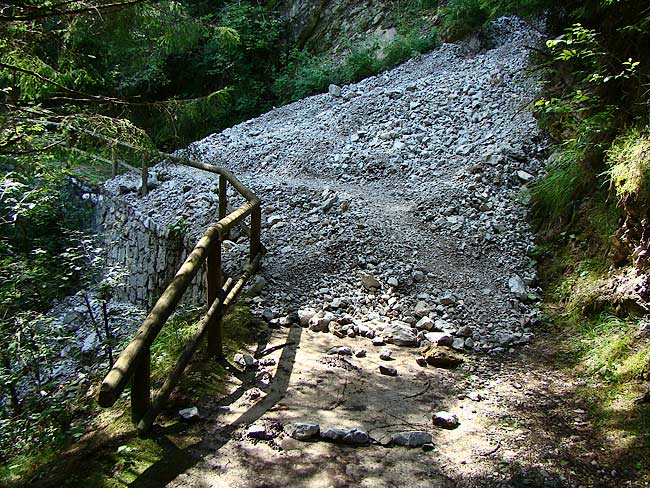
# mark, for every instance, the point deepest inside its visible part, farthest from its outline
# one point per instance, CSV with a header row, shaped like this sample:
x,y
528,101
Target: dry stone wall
x,y
148,253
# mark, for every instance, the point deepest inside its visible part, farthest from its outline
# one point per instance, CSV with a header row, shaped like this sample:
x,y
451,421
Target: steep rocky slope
x,y
392,209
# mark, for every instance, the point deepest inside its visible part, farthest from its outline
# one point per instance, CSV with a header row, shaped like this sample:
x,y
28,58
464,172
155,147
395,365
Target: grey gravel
x,y
414,180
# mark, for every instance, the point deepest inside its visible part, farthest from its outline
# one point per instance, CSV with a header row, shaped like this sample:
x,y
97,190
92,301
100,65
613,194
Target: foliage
x,y
306,74
41,259
555,194
462,17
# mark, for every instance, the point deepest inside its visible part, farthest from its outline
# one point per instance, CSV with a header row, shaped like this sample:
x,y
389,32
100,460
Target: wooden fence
x,y
133,364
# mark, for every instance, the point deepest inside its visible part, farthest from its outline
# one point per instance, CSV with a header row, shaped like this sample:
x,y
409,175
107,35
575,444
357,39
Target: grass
x,y
555,195
598,343
628,160
108,453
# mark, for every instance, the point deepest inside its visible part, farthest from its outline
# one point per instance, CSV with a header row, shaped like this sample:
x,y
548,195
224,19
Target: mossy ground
x,y
110,454
595,340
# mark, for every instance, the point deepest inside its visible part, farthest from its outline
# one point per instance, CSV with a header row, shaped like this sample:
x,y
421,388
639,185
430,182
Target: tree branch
x,y
43,13
84,96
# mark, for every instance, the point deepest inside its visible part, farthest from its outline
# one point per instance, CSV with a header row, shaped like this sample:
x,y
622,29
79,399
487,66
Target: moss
x,y
628,160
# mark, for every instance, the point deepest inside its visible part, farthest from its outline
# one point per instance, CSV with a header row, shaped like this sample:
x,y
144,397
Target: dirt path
x,y
519,424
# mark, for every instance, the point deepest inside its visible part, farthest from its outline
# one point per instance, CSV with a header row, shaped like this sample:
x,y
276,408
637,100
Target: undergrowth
x,y
119,455
307,74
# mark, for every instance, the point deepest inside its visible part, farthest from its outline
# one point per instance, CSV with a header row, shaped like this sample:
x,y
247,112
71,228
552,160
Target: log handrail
x,y
134,362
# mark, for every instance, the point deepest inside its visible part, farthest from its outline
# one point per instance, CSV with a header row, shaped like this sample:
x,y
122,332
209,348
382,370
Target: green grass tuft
x,y
554,195
629,166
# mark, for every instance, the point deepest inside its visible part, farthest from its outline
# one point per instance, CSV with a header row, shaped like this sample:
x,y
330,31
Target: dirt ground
x,y
521,427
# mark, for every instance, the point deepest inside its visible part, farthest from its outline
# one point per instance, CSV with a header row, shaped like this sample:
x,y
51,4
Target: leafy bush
x,y
306,74
465,16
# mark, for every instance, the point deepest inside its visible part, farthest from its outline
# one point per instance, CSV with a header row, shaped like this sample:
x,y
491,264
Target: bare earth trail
x,y
413,178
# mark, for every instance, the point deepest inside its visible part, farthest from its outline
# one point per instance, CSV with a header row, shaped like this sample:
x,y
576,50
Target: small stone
x,y
441,357
421,361
418,276
360,353
369,282
517,287
425,323
258,285
274,219
246,361
346,436
439,338
525,176
190,413
268,315
378,341
385,354
400,334
414,438
447,299
259,432
321,322
387,370
458,344
393,282
465,331
334,90
305,315
445,420
341,351
302,431
475,396
422,309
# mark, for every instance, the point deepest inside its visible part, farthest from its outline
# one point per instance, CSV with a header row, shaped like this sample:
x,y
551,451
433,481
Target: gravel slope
x,y
412,178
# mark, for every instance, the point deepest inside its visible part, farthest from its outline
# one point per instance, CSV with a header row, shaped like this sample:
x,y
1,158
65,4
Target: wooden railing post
x,y
214,282
223,196
256,224
145,177
141,386
113,162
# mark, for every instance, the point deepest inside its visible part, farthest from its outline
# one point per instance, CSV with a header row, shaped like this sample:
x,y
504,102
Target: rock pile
x,y
393,211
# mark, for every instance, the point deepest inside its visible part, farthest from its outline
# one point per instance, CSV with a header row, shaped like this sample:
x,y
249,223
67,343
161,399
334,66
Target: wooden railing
x,y
133,364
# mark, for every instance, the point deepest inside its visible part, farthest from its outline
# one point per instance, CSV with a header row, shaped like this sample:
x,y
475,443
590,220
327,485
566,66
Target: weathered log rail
x,y
134,363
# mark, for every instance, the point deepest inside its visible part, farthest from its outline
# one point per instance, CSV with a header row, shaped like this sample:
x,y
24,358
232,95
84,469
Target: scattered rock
x,y
517,287
191,413
386,354
387,370
414,438
475,396
302,431
334,90
257,431
400,334
441,357
345,436
369,282
246,361
422,309
445,420
525,176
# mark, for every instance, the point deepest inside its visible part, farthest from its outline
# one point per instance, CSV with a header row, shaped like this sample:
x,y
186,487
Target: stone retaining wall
x,y
148,253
